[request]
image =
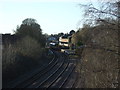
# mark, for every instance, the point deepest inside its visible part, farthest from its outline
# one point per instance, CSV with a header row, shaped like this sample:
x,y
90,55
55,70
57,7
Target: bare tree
x,y
106,9
104,44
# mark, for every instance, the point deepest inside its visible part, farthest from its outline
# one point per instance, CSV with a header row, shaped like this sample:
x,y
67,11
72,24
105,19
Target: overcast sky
x,y
54,16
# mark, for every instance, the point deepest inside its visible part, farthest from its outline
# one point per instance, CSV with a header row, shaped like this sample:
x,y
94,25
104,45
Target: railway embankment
x,y
98,62
13,82
59,73
21,57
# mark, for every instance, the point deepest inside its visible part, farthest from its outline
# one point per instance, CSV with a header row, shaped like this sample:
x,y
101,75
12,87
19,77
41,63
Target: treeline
x,y
85,35
31,28
27,52
101,26
97,45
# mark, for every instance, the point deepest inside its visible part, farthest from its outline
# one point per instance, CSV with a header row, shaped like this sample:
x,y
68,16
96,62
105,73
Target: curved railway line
x,y
59,73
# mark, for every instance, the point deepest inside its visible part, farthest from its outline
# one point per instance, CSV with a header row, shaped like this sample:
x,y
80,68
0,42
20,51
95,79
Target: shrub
x,y
8,56
29,47
20,57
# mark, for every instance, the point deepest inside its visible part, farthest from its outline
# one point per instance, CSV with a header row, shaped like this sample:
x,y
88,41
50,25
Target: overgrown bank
x,y
98,64
98,43
26,53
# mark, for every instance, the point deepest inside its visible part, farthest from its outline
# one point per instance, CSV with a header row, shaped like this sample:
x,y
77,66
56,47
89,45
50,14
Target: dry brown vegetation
x,y
99,59
99,68
23,51
21,57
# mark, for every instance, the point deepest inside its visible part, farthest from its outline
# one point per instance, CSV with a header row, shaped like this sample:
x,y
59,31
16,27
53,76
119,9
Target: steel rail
x,y
24,83
47,76
55,76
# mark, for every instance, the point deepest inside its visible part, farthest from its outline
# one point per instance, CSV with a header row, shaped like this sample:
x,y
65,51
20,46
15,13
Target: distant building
x,y
61,40
51,41
65,41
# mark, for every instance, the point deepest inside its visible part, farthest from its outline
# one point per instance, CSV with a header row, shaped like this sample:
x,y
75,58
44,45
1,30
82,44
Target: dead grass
x,y
98,66
22,57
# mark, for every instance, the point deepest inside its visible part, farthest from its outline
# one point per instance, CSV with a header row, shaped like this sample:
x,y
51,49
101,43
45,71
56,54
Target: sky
x,y
54,16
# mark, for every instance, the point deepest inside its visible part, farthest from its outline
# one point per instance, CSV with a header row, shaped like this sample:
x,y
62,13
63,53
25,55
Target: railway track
x,y
61,64
59,73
